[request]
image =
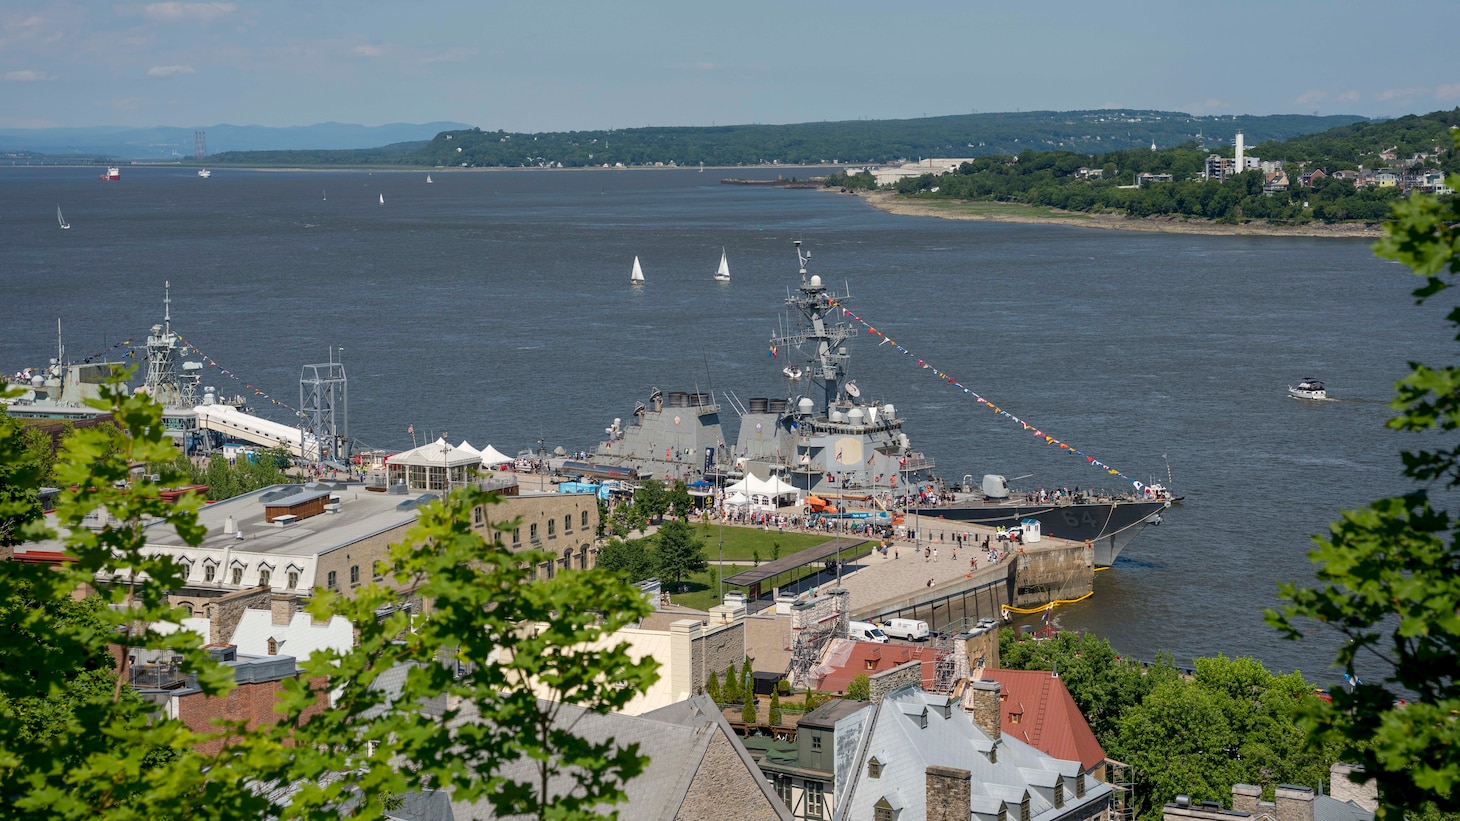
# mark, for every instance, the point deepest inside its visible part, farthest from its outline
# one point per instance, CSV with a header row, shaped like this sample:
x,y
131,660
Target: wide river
x,y
497,306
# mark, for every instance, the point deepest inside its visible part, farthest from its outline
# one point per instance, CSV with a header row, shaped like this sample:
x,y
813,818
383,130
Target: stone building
x,y
1290,803
293,539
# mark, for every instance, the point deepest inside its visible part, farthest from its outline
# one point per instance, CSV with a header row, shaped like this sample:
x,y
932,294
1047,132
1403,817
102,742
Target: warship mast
x,y
822,339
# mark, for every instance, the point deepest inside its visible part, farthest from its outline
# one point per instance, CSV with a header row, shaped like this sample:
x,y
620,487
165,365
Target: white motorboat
x,y
722,274
791,372
1308,389
204,173
637,277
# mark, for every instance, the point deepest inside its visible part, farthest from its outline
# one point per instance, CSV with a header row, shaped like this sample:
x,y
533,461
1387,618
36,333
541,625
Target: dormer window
x,y
1059,793
874,768
210,571
273,646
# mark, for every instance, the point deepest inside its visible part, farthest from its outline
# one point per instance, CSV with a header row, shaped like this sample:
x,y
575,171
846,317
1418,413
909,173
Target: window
x,y
208,571
273,646
1014,717
816,742
1059,793
293,578
568,523
264,576
874,769
332,581
1080,785
585,519
815,801
783,789
532,531
882,811
238,575
552,528
354,574
516,536
476,515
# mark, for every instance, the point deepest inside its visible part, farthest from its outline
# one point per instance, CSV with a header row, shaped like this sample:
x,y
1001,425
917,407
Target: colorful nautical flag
x,y
772,354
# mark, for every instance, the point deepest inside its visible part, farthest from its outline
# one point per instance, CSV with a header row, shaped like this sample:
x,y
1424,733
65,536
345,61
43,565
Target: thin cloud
x,y
1350,96
170,71
1399,93
1311,97
188,12
26,75
1448,92
369,50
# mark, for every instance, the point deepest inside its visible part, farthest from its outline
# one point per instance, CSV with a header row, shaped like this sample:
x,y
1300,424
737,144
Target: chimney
x,y
1293,803
1245,798
949,797
982,699
283,608
1240,149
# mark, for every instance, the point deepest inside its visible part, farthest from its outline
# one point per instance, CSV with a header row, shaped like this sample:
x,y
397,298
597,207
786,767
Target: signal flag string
x,y
235,378
1038,434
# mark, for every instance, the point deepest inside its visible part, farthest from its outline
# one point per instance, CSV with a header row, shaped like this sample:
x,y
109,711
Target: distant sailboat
x,y
324,196
637,277
382,199
722,274
428,178
61,219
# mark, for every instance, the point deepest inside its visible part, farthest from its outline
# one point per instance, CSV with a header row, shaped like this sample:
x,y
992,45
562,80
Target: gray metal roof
x,y
818,553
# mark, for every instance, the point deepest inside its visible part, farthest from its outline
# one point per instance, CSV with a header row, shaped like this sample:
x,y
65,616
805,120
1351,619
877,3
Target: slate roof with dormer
x,y
913,730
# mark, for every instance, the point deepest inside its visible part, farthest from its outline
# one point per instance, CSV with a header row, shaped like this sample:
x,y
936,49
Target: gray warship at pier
x,y
833,443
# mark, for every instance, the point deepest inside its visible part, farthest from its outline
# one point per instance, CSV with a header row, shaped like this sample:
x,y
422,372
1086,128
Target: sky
x,y
562,66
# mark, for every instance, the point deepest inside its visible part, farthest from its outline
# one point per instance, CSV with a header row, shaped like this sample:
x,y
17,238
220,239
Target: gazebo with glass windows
x,y
435,466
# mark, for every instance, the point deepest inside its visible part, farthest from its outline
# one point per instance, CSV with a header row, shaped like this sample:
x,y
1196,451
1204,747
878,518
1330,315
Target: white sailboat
x,y
637,277
61,219
428,178
722,274
382,199
324,195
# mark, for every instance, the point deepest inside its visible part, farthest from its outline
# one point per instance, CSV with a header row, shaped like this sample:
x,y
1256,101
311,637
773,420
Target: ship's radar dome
x,y
815,281
837,416
855,416
888,411
806,406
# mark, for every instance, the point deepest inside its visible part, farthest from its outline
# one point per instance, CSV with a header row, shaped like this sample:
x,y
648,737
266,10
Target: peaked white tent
x,y
491,456
763,494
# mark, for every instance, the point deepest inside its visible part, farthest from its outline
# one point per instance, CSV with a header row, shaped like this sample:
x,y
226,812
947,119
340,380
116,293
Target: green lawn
x,y
742,542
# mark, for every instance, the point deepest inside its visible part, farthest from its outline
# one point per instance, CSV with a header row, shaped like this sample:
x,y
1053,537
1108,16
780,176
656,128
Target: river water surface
x,y
496,306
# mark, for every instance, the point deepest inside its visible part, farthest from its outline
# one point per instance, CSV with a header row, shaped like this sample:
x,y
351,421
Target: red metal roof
x,y
867,657
1048,720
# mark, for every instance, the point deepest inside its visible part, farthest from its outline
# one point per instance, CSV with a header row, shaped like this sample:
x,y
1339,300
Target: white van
x,y
909,629
866,631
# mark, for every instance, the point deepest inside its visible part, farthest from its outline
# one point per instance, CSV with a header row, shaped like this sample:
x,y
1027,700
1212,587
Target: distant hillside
x,y
849,141
1363,141
165,142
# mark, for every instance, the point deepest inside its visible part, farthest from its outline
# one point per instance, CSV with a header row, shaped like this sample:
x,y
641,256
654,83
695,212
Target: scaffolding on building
x,y
324,404
1121,778
814,623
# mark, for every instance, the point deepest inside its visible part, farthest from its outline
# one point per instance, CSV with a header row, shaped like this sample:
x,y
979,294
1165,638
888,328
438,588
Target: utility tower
x,y
200,144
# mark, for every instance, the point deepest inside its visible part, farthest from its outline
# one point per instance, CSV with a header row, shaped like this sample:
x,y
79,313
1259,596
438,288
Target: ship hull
x,y
1107,526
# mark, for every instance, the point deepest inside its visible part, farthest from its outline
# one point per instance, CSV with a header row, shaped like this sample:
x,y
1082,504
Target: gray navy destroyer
x,y
842,449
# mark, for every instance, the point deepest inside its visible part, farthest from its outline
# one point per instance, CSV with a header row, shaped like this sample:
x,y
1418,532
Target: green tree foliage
x,y
74,741
747,710
860,688
21,475
732,690
632,559
680,500
1233,722
1389,574
652,499
1103,685
712,687
774,715
244,475
680,552
506,638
